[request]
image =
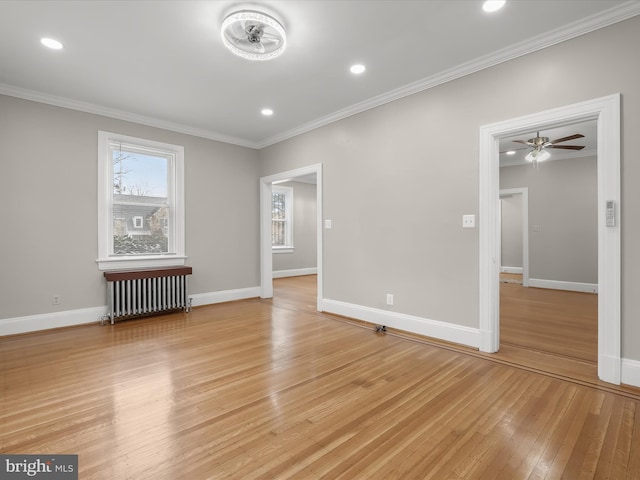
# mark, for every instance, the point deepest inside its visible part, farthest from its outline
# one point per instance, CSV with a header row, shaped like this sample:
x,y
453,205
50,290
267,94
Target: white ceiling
x,y
162,63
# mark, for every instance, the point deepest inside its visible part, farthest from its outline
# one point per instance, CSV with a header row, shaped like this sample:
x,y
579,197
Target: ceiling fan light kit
x,y
253,35
537,155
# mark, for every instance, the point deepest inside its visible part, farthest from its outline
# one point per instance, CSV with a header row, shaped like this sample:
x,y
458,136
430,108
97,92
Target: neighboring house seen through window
x,y
282,219
141,212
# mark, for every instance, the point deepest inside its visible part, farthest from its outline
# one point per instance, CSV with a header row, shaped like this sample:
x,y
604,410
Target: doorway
x,y
266,250
557,316
606,112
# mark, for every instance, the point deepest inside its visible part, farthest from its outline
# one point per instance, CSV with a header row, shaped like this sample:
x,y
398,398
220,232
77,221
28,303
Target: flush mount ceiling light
x,y
253,35
493,5
51,43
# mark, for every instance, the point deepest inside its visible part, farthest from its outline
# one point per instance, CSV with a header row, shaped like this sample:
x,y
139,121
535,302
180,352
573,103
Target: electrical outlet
x,y
468,221
56,300
389,298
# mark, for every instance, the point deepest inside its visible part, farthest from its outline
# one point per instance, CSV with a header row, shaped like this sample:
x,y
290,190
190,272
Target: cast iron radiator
x,y
135,293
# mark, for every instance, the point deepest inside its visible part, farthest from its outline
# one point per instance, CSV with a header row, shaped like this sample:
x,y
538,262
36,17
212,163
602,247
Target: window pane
x,y
139,174
140,229
278,236
278,203
278,219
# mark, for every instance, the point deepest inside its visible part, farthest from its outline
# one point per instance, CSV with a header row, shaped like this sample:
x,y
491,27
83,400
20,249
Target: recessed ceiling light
x,y
511,152
267,112
51,43
357,69
493,5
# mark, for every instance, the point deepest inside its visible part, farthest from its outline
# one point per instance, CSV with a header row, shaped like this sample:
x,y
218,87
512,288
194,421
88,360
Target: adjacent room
x,y
549,242
319,239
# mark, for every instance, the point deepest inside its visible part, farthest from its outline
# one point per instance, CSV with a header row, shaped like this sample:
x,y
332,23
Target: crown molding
x,y
86,107
595,22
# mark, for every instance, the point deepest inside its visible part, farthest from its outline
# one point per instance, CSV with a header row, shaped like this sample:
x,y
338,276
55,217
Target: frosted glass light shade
x,y
537,155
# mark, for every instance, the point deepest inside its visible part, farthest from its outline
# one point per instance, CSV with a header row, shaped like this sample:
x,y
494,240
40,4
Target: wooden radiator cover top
x,y
118,275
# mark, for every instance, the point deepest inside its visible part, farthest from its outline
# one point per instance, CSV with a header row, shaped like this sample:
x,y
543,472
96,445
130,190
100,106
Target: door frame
x,y
524,193
266,252
606,111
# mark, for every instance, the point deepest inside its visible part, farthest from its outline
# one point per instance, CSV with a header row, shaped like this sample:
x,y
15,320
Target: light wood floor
x,y
556,329
553,321
271,389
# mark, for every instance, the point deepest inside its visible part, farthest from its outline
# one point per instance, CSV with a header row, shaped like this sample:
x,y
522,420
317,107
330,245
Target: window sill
x,y
282,249
119,263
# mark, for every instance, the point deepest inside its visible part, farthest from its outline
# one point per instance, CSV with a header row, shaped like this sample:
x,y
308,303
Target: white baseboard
x,y
295,273
516,270
630,369
560,285
409,323
609,369
630,372
209,298
45,321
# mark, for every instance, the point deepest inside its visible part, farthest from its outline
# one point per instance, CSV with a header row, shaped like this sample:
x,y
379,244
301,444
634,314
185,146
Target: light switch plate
x,y
327,224
468,221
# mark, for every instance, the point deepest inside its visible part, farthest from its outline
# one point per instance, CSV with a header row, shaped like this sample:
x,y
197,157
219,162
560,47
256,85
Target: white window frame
x,y
288,222
138,222
176,240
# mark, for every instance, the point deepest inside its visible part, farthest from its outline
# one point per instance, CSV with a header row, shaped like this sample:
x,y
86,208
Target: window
x,y
138,222
141,203
282,219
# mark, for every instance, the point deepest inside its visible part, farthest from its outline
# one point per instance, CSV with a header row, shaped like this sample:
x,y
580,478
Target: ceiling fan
x,y
538,145
253,35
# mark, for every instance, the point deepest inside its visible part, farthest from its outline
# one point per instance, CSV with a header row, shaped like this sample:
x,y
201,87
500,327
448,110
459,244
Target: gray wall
x,y
512,231
398,178
48,192
563,201
304,230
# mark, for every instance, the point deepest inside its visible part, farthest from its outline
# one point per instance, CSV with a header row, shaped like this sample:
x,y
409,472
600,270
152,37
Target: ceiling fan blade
x,y
567,147
269,41
235,31
240,42
248,25
523,142
570,137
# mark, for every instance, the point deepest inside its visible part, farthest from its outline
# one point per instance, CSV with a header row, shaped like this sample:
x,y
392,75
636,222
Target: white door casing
x,y
606,111
266,254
